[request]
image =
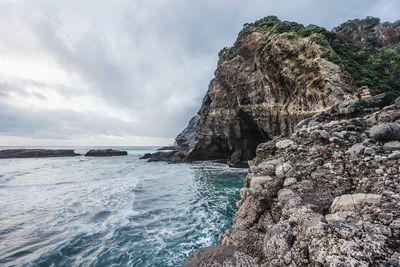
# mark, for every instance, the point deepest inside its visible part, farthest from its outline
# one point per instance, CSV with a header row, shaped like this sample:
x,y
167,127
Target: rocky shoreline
x,y
295,104
325,196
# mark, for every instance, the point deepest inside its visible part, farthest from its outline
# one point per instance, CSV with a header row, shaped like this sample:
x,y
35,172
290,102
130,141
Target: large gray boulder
x,y
385,132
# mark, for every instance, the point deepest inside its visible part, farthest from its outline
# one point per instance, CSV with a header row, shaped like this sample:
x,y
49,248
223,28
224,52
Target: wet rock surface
x,y
105,153
37,153
326,196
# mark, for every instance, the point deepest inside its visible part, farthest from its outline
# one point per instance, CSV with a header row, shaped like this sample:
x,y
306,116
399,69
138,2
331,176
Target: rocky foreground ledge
x,y
326,196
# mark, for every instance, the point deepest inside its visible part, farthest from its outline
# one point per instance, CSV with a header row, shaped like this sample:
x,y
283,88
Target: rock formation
x,y
105,153
37,153
323,183
277,73
261,92
327,195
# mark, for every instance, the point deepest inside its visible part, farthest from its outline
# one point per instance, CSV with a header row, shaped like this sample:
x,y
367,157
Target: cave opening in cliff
x,y
251,135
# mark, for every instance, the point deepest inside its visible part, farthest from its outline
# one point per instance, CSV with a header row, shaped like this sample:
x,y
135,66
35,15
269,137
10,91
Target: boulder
x,y
385,132
357,149
392,146
259,180
349,201
395,155
284,170
284,144
105,153
320,135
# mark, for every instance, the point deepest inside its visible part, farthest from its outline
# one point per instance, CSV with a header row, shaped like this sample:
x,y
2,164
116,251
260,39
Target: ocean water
x,y
117,211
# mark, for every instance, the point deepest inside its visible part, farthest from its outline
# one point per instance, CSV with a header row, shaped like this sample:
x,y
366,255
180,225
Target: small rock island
x,y
105,153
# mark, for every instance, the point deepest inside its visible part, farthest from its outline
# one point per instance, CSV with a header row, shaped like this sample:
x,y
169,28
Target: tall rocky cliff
x,y
280,72
323,183
261,91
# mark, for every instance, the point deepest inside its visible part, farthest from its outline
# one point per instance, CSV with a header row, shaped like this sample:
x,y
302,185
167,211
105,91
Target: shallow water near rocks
x,y
117,211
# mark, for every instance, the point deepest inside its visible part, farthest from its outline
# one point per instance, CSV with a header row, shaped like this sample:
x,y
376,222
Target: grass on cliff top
x,y
368,65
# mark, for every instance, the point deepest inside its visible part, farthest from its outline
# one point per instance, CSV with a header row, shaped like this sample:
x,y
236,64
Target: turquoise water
x,y
118,211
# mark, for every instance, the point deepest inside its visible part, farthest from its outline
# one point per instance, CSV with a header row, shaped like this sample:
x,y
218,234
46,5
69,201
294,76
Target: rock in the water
x,y
224,256
385,132
105,153
37,153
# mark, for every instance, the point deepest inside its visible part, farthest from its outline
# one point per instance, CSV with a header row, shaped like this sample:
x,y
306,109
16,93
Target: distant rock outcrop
x,y
37,153
105,153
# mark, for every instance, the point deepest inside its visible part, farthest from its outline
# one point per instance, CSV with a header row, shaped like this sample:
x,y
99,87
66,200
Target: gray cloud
x,y
151,60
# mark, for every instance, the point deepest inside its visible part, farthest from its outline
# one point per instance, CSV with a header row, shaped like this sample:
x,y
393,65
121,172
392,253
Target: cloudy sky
x,y
127,72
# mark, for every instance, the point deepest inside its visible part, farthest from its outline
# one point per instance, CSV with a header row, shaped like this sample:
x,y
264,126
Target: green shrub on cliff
x,y
352,45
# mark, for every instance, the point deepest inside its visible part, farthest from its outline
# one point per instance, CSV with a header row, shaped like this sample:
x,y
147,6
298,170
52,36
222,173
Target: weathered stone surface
x,y
332,205
284,144
37,153
105,153
392,146
284,170
395,155
349,201
224,256
259,180
385,132
262,92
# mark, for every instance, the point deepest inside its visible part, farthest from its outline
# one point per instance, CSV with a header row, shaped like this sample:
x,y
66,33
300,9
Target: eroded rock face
x,y
270,85
323,201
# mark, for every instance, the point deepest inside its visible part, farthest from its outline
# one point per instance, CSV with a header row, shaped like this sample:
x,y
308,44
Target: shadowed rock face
x,y
270,85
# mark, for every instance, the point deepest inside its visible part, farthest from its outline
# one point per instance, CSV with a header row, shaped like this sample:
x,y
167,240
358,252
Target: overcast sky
x,y
127,72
